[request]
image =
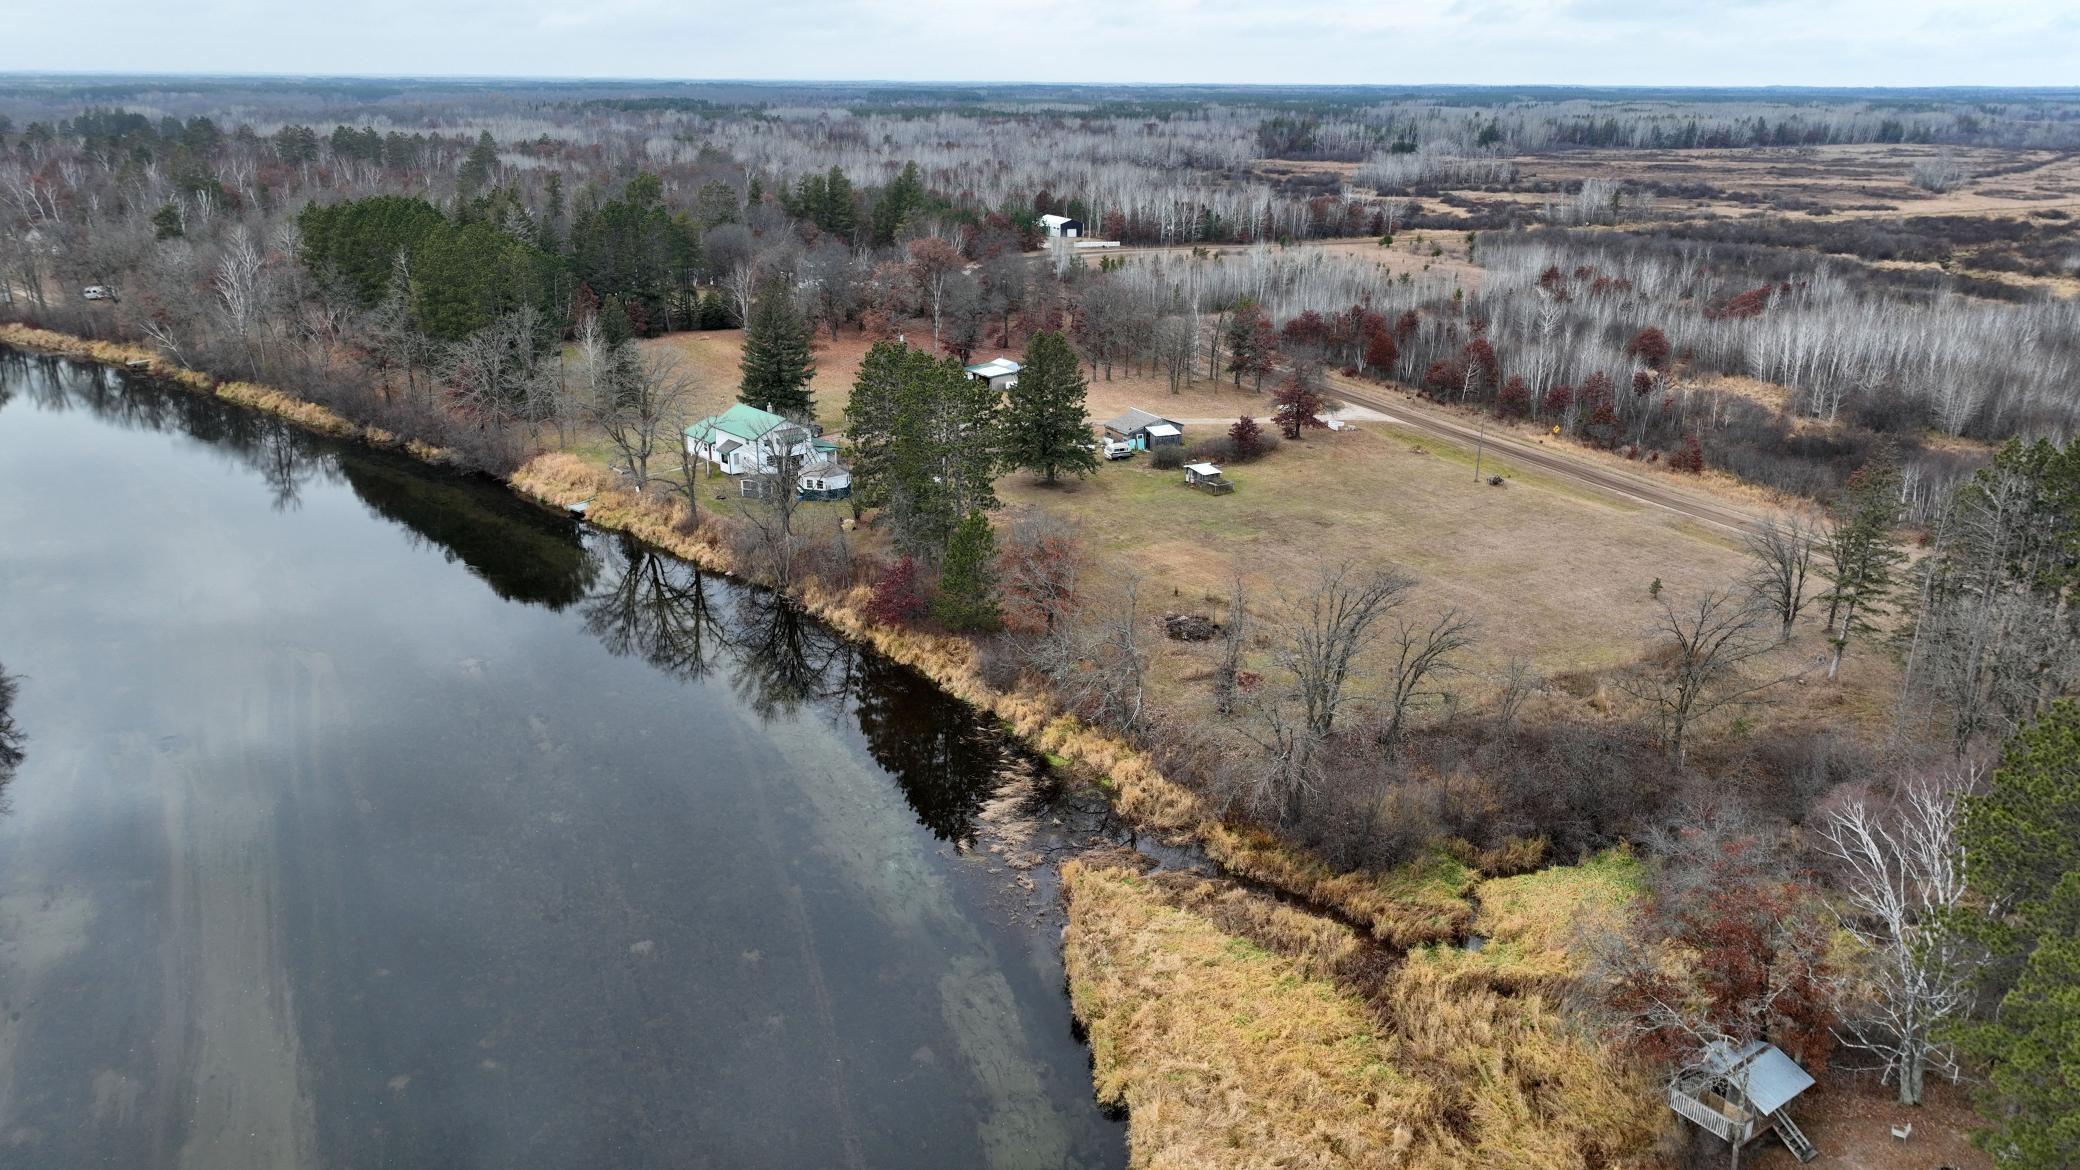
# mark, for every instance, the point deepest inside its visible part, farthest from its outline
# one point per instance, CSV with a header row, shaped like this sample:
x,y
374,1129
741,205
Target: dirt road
x,y
1437,422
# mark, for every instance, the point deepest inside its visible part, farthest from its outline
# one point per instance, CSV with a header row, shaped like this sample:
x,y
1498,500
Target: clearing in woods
x,y
1554,565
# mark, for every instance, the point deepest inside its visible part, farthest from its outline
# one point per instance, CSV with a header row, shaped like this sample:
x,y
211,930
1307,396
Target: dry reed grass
x,y
1224,1053
1418,904
1222,1021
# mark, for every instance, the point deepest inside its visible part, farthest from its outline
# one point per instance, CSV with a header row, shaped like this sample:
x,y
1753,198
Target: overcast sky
x,y
1590,42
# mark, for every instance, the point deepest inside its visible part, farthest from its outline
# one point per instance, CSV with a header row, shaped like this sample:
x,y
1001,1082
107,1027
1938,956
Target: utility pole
x,y
1478,445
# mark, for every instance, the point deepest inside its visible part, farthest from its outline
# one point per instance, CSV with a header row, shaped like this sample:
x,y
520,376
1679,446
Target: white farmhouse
x,y
745,440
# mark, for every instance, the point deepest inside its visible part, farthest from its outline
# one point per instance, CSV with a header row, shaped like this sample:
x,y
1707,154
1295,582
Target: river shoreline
x,y
1275,930
1145,799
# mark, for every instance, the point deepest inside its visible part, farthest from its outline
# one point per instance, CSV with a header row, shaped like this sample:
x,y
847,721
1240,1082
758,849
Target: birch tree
x,y
1902,872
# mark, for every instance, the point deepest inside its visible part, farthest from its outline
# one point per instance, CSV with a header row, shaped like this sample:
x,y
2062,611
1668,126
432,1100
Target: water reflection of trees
x,y
784,663
522,552
284,457
786,660
945,757
655,607
13,743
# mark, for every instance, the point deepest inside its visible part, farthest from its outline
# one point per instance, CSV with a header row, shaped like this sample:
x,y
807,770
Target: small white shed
x,y
1001,373
1207,478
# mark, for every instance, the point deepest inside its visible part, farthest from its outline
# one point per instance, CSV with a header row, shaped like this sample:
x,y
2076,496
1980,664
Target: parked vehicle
x,y
97,292
1118,449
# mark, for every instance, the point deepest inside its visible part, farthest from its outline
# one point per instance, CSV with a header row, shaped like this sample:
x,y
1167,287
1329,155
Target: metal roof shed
x,y
1766,1077
1739,1094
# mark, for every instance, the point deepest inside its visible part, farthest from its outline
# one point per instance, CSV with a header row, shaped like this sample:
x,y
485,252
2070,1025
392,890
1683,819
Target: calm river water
x,y
372,818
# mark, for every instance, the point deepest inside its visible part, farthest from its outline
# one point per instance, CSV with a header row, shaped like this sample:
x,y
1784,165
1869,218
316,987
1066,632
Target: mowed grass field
x,y
1549,571
712,357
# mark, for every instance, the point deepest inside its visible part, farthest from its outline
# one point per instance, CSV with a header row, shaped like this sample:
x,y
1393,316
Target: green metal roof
x,y
741,421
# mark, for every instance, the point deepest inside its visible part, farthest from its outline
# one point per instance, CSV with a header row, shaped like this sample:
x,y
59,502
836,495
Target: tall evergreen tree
x,y
355,244
777,365
1045,425
2021,844
899,201
476,168
465,276
943,457
967,597
872,417
166,223
837,215
1862,553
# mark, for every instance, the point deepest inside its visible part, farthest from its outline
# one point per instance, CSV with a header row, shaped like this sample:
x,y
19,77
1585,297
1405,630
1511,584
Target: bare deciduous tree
x,y
1694,669
492,371
238,287
775,497
1328,627
742,286
1227,677
1518,680
1421,653
1902,871
1782,554
1097,661
640,406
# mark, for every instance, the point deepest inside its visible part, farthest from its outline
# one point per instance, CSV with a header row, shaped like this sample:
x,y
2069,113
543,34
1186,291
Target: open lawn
x,y
712,357
1553,569
1550,572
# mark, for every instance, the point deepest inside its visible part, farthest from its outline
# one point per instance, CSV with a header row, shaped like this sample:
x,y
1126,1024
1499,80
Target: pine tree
x,y
714,314
967,598
1862,553
166,223
943,455
1045,428
872,416
476,169
902,197
614,322
2021,845
777,365
836,214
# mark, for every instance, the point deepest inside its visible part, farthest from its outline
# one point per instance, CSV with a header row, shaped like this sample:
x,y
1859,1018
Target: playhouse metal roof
x,y
1759,1072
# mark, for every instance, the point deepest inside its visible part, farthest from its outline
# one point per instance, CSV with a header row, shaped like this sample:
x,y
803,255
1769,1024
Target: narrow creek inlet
x,y
373,818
